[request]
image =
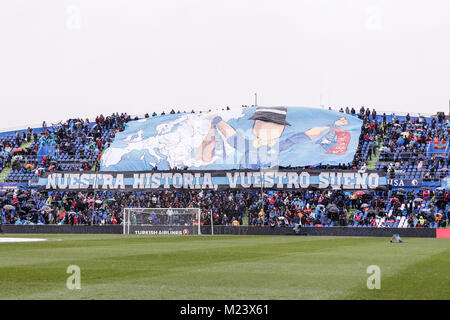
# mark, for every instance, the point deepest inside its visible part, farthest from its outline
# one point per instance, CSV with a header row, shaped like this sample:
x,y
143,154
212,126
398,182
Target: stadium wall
x,y
81,229
327,231
227,230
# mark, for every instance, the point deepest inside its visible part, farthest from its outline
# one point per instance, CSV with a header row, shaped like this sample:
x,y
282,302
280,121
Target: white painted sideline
x,y
21,240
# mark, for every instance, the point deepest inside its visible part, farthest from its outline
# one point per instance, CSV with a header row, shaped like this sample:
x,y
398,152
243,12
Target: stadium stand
x,y
405,147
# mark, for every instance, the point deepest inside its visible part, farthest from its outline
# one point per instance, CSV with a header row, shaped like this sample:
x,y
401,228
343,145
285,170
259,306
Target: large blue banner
x,y
445,183
6,186
246,138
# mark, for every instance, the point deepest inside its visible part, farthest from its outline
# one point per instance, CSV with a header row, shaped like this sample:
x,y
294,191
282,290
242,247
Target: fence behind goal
x,y
161,221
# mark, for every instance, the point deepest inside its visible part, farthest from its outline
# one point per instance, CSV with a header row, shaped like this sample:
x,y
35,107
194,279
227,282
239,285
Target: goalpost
x,y
162,220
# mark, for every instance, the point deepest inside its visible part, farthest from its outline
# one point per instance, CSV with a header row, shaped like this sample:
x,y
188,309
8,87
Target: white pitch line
x,y
21,240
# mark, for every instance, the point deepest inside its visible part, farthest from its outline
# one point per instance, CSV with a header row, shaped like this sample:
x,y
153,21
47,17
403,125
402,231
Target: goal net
x,y
161,221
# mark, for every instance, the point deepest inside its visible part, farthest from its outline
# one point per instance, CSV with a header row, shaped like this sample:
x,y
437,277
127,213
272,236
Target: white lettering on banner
x,y
96,177
148,176
280,176
188,179
232,180
107,181
292,180
268,179
84,181
257,179
404,182
166,176
155,180
336,180
138,181
52,182
323,180
361,181
304,180
74,181
207,182
62,182
177,180
197,181
120,183
373,180
249,179
348,176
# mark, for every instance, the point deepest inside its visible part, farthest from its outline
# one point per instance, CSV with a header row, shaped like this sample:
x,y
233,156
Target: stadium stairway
x,y
350,212
4,173
27,144
245,218
94,167
8,169
372,163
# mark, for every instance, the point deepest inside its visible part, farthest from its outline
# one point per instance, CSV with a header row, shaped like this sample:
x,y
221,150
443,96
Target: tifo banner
x,y
246,138
445,183
9,186
413,183
438,148
154,180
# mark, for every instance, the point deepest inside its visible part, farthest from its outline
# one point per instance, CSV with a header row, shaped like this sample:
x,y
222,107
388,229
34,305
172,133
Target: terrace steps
x,y
8,169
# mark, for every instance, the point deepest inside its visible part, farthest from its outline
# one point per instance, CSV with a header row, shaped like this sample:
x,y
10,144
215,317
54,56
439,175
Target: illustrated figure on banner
x,y
268,128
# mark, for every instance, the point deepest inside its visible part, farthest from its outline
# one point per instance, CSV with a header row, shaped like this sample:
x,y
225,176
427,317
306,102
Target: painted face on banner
x,y
267,130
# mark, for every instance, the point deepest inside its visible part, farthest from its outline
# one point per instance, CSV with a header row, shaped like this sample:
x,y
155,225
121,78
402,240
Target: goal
x,y
170,221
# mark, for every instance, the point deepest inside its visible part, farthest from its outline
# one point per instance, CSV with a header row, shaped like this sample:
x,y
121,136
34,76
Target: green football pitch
x,y
224,267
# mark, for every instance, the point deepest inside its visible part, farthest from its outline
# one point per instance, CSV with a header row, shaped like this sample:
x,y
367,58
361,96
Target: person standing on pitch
x,y
169,216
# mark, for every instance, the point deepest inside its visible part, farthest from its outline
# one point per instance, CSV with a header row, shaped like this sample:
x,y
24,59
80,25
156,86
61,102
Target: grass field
x,y
224,267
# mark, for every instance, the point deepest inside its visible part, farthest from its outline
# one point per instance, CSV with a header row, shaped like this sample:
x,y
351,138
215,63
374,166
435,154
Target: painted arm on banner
x,y
310,134
224,128
206,150
329,140
317,131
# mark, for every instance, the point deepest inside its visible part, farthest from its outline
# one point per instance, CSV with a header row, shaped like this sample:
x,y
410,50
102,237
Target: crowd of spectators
x,y
422,208
8,146
77,144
